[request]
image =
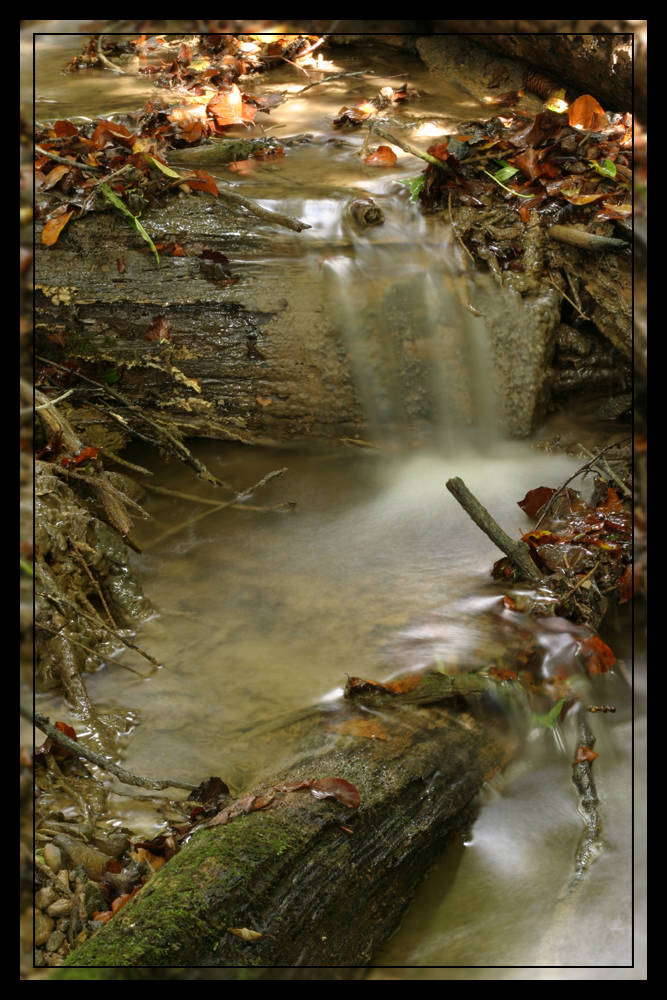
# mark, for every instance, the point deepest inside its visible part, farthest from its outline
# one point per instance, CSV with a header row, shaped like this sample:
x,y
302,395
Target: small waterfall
x,y
418,356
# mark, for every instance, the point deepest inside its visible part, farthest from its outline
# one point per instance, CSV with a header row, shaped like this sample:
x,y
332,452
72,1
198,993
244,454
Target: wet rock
x,y
60,908
56,940
45,896
43,927
53,857
94,898
93,860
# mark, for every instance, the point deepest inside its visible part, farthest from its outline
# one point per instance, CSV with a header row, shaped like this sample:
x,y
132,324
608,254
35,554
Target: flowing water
x,y
375,569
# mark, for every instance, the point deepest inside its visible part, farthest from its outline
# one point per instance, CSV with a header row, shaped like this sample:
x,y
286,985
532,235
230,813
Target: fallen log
x,y
316,867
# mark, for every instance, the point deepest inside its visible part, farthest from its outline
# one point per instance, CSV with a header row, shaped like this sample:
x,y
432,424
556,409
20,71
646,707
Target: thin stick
x,y
107,62
89,167
262,213
193,498
184,453
567,297
212,510
409,148
326,79
517,552
42,722
584,468
92,652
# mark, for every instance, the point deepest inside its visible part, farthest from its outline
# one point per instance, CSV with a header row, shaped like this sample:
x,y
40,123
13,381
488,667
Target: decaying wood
x,y
517,552
282,878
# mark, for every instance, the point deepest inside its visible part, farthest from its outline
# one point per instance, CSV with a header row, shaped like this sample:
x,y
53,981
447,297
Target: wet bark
x,y
321,883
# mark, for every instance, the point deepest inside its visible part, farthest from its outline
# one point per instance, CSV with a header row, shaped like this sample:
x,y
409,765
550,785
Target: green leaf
x,y
509,190
506,171
551,716
162,166
414,184
118,203
110,377
607,169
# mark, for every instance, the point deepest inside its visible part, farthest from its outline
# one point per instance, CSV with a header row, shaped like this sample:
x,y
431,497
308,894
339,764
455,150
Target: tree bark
x,y
320,882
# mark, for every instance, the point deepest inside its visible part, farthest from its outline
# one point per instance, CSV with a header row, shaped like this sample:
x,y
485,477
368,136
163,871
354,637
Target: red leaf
x,y
534,500
337,788
82,456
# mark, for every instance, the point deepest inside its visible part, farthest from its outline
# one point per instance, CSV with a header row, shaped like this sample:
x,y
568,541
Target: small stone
x,y
45,896
55,941
93,861
54,959
43,927
53,857
60,908
62,880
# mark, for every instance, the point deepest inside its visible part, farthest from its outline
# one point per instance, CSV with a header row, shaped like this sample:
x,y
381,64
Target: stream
x,y
373,569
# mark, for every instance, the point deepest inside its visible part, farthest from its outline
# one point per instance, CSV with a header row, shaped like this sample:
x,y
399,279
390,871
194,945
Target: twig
x,y
212,510
193,498
409,148
326,79
89,167
517,552
42,722
584,240
584,468
567,298
107,62
184,453
610,473
263,213
582,776
92,652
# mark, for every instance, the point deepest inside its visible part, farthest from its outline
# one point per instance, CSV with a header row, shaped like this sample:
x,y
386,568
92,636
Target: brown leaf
x,y
336,788
535,500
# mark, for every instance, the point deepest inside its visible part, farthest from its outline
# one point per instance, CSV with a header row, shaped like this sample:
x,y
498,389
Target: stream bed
x,y
371,571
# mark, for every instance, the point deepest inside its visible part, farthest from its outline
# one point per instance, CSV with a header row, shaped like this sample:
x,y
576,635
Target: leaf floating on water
x,y
245,933
336,788
384,156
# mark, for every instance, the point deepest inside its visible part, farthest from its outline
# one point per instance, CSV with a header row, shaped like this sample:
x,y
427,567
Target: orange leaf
x,y
54,228
584,753
587,113
598,657
227,106
384,156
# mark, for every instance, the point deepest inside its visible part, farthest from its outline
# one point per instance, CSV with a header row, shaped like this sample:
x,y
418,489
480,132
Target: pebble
x,y
93,861
43,927
56,940
60,908
53,857
45,896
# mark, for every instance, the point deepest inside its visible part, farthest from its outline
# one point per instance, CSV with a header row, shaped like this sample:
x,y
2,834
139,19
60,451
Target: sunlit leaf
x,y
414,185
244,933
384,156
587,113
505,172
607,169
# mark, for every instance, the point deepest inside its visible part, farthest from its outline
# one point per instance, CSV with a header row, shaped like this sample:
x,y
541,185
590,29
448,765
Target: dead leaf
x,y
336,788
54,228
245,933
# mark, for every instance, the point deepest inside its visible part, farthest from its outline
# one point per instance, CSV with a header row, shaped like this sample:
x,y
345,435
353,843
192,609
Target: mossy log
x,y
318,881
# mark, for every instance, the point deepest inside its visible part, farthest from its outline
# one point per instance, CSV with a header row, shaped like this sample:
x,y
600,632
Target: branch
x,y
409,148
41,722
517,552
